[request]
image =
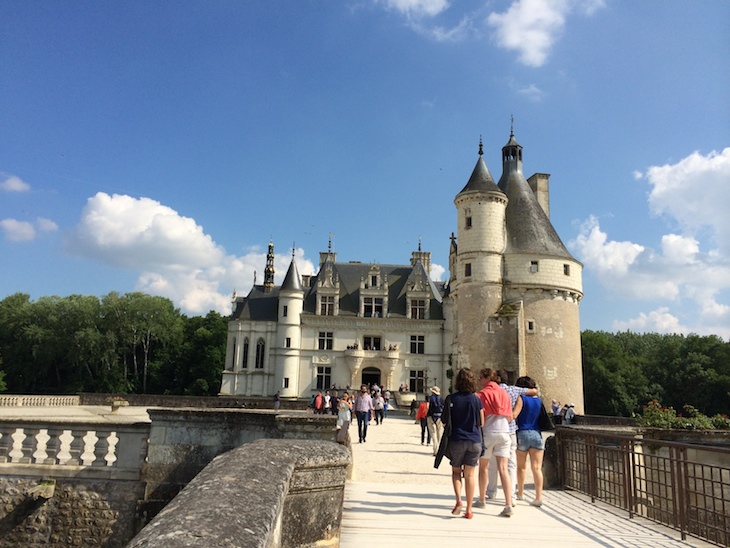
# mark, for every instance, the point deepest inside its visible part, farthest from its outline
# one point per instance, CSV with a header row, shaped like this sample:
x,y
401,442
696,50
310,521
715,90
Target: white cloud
x,y
13,184
531,27
17,231
695,192
437,272
175,257
46,225
417,7
532,93
656,321
691,271
24,231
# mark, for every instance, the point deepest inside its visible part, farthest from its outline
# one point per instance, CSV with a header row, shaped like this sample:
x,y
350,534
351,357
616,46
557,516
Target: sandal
x,y
468,515
457,510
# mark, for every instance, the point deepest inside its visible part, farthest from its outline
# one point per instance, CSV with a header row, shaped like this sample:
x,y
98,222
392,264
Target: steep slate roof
x,y
292,281
350,275
258,305
529,229
481,179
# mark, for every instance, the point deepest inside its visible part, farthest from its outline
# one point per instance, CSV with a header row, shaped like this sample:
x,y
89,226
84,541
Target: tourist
x,y
421,418
570,414
497,416
555,406
529,441
464,418
378,406
435,408
344,415
513,392
277,401
335,402
386,397
318,402
363,406
327,406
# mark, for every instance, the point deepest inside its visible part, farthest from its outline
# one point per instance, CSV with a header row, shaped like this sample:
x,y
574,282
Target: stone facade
x,y
510,303
79,512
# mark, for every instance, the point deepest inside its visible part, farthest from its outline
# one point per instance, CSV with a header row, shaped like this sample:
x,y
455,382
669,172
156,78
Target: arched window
x,y
244,364
231,366
260,347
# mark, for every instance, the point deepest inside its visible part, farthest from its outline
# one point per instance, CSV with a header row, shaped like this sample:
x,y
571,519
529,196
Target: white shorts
x,y
497,444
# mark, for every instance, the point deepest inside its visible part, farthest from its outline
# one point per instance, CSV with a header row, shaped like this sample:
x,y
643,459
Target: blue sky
x,y
160,146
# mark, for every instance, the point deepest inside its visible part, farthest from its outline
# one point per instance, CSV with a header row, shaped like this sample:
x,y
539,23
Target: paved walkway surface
x,y
397,498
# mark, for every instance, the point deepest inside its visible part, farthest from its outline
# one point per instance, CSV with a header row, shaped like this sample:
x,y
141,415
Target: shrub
x,y
656,416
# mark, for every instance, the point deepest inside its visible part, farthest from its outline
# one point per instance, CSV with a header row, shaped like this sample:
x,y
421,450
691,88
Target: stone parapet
x,y
247,498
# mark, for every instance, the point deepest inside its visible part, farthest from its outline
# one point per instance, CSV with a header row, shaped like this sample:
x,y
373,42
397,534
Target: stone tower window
x,y
244,365
566,269
530,326
467,270
467,218
533,266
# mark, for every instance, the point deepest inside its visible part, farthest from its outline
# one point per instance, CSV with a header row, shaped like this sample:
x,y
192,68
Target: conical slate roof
x,y
481,180
292,281
529,229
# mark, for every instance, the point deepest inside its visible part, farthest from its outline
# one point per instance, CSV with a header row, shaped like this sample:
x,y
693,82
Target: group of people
x,y
487,421
370,402
564,415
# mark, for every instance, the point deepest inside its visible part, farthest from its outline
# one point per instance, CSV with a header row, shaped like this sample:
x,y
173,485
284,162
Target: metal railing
x,y
683,486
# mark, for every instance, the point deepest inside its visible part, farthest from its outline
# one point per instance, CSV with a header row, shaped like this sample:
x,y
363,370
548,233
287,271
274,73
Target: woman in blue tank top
x,y
529,440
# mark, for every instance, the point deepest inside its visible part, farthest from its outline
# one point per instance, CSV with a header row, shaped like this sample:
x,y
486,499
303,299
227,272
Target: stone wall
x,y
183,441
75,512
247,498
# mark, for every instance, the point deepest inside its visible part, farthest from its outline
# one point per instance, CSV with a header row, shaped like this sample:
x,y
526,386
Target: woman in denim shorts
x,y
466,417
529,440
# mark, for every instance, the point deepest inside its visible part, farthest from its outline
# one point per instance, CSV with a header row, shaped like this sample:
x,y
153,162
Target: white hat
x,y
435,390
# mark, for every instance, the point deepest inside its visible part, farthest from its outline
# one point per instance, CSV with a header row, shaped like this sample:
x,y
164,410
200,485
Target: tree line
x,y
623,372
137,343
132,343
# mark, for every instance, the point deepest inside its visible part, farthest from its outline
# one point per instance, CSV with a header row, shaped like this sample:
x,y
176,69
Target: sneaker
x,y
491,497
479,504
506,512
537,503
468,515
520,497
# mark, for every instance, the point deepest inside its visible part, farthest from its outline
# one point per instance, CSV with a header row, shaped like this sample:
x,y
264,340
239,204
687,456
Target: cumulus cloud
x,y
24,231
437,272
695,192
174,256
531,27
17,231
690,271
11,183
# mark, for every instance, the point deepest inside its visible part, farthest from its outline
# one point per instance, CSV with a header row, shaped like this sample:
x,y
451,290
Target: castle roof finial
x,y
419,243
293,249
512,126
329,244
481,148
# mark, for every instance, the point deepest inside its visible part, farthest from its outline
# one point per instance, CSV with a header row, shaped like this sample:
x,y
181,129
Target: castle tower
x,y
476,266
289,333
542,289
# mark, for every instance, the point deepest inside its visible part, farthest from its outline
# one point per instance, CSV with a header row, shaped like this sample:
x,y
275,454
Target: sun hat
x,y
435,390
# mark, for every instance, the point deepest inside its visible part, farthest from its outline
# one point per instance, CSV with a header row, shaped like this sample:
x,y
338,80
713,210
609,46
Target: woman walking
x,y
529,440
464,418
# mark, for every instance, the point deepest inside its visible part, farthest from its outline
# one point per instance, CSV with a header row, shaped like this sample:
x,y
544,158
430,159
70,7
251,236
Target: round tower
x,y
542,287
476,264
289,333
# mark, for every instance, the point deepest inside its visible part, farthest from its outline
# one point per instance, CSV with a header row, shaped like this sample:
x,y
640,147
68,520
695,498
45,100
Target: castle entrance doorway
x,y
371,375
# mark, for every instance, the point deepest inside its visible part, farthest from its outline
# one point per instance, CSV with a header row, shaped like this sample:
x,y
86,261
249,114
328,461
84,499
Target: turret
x,y
289,332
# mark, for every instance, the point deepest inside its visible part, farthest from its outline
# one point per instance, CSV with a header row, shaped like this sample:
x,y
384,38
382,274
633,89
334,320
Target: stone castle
x,y
511,302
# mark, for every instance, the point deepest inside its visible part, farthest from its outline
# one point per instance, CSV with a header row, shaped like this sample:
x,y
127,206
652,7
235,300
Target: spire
x,y
292,282
481,179
269,270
